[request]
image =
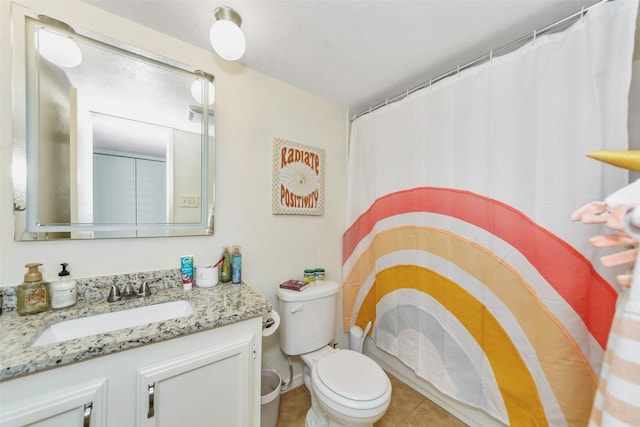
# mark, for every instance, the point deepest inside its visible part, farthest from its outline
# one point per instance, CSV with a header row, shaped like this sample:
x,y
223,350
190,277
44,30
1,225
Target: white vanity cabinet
x,y
208,378
81,404
211,387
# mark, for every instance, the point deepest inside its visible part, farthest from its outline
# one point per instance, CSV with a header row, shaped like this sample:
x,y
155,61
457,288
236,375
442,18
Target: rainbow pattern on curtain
x,y
459,246
527,363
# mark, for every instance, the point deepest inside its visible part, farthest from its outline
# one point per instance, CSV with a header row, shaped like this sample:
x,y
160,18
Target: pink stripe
x,y
628,328
622,411
623,368
571,274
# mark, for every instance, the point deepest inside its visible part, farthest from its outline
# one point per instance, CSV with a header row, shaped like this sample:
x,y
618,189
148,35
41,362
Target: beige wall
x,y
251,109
186,174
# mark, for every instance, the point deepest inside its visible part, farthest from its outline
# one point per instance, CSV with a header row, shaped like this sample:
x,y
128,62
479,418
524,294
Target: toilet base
x,y
312,420
315,417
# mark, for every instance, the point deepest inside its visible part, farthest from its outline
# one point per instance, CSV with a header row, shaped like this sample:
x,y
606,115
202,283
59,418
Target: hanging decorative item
x,y
298,178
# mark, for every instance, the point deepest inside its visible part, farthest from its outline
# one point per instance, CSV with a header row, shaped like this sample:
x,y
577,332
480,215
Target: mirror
x,y
109,141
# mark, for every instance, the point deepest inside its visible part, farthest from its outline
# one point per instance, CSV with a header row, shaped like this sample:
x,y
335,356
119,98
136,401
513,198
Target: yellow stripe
x,y
570,376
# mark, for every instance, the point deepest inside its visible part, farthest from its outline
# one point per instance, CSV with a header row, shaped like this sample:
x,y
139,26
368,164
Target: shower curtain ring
x,y
491,55
582,13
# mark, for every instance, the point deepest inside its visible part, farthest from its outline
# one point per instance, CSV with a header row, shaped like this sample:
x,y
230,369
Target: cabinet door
x,y
83,406
210,387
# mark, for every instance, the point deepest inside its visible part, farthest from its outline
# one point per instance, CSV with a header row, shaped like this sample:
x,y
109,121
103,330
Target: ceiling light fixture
x,y
226,36
57,47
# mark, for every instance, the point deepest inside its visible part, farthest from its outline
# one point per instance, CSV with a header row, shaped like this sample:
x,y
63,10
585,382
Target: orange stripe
x,y
572,381
564,268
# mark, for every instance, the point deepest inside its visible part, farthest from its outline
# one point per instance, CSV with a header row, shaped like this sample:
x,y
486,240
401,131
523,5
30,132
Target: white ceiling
x,y
355,53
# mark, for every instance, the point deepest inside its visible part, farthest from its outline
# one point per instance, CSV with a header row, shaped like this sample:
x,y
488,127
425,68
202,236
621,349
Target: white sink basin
x,y
107,322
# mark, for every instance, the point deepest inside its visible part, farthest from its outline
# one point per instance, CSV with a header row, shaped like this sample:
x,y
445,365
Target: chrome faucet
x,y
144,290
114,294
128,292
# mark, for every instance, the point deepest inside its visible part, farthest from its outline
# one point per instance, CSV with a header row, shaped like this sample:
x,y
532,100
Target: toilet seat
x,y
351,380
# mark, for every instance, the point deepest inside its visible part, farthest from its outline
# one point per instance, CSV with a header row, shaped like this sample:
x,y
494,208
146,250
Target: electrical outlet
x,y
189,201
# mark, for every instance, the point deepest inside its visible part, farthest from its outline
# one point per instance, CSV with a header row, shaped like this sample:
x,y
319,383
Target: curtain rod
x,y
480,60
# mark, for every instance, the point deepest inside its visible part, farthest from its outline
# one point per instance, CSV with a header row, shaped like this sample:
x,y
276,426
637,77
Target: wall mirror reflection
x,y
109,141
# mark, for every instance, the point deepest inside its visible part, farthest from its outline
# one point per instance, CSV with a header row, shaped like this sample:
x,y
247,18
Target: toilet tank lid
x,y
311,292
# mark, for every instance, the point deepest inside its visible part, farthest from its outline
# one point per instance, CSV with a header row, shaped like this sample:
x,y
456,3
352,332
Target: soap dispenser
x,y
33,294
64,292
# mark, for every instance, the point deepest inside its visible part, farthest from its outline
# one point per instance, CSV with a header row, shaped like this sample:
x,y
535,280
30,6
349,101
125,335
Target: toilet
x,y
347,388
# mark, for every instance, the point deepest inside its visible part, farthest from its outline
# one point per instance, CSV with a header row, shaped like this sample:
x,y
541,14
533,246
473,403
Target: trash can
x,y
269,398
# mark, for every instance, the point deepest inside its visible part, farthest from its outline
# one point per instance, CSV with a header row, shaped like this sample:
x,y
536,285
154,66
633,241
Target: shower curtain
x,y
458,244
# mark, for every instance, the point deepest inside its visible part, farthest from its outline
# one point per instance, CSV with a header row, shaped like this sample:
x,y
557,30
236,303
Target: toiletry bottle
x,y
33,294
236,265
186,272
225,267
64,292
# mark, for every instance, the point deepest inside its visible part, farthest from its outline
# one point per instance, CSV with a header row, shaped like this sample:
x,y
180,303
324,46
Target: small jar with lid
x,y
309,276
33,294
319,273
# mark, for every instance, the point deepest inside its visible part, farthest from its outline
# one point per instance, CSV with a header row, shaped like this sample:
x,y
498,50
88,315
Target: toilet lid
x,y
352,375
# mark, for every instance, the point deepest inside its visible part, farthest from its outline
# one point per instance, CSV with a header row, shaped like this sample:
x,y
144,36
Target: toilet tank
x,y
307,317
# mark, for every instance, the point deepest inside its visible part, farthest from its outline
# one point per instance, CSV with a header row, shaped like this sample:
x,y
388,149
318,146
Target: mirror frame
x,y
25,140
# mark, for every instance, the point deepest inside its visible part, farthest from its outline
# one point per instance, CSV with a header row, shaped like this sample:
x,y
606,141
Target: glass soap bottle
x,y
225,267
236,265
33,294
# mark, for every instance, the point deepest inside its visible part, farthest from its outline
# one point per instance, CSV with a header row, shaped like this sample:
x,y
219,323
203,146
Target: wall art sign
x,y
298,178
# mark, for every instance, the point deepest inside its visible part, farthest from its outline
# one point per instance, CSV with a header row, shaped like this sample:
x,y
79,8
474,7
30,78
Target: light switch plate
x,y
189,201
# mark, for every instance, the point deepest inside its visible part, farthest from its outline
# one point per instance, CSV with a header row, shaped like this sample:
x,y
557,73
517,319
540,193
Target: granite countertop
x,y
213,307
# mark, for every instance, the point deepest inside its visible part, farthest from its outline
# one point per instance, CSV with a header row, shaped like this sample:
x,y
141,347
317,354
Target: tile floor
x,y
408,408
